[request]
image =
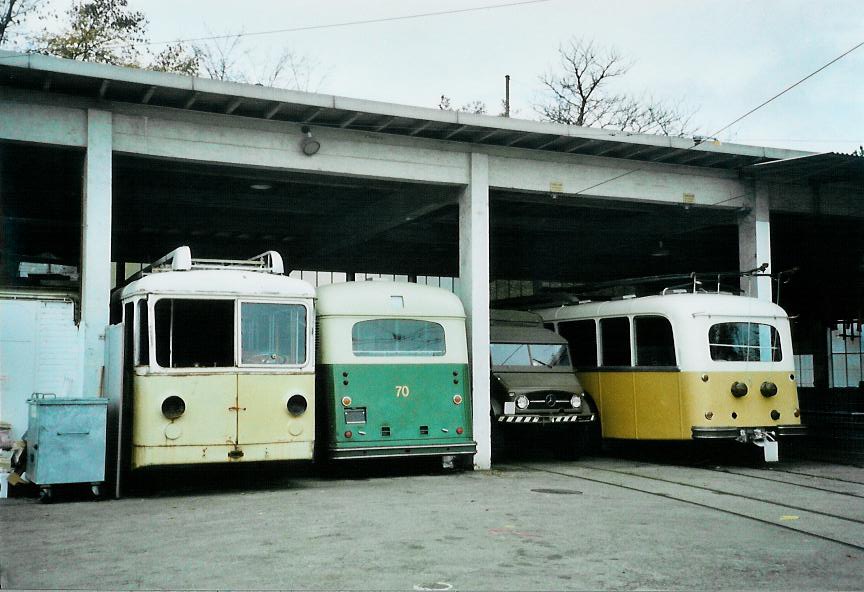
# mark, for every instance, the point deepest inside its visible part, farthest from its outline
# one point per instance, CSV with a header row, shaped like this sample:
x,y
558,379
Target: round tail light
x,y
522,402
768,389
173,407
459,431
457,399
297,405
739,389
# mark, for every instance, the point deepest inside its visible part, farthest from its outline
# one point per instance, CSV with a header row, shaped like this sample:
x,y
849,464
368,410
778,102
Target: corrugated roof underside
x,y
210,102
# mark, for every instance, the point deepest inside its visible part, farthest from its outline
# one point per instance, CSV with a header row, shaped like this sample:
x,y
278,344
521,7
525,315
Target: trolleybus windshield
x,y
744,342
397,337
272,333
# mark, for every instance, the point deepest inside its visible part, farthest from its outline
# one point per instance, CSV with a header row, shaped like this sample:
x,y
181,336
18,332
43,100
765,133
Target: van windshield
x,y
546,355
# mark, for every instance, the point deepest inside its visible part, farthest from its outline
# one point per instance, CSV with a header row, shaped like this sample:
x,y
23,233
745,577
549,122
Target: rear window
x,y
397,337
744,342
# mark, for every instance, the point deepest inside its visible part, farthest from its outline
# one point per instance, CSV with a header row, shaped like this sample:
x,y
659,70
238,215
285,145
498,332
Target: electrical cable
x,y
699,141
354,23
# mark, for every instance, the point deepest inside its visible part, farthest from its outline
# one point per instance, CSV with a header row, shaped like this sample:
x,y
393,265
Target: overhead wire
x,y
355,22
324,26
699,141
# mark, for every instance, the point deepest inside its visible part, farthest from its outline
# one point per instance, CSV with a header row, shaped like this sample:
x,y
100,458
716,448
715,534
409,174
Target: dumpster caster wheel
x,y
96,490
46,496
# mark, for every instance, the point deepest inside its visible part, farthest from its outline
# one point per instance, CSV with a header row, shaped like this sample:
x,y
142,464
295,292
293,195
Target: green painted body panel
x,y
401,397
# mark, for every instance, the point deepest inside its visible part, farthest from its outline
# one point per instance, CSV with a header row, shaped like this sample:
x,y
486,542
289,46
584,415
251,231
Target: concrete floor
x,y
604,522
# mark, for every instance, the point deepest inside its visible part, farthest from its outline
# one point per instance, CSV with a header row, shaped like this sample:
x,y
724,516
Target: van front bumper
x,y
537,418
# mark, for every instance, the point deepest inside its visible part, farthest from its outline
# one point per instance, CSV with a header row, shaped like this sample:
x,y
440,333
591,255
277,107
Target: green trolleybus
x,y
392,372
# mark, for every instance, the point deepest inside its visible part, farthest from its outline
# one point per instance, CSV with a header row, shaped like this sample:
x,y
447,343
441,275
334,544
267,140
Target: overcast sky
x,y
721,57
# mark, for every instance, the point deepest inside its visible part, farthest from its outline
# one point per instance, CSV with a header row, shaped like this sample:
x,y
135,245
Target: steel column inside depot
x,y
754,242
474,291
96,248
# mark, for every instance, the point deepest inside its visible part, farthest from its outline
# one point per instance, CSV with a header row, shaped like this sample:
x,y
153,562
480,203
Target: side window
x,y
194,333
143,354
582,338
615,341
655,345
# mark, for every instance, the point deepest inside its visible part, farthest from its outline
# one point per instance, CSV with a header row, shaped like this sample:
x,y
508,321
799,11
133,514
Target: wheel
x,y
46,495
572,443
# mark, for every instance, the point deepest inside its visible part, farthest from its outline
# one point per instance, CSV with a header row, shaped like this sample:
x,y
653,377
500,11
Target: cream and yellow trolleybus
x,y
393,373
684,366
221,361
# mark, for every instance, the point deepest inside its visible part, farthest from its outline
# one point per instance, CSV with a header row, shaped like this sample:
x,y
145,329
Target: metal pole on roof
x,y
506,95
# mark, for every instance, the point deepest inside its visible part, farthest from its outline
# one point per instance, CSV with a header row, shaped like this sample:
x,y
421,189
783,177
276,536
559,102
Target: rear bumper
x,y
543,419
747,434
337,453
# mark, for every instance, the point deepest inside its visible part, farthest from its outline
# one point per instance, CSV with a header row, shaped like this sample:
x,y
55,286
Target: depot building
x,y
104,168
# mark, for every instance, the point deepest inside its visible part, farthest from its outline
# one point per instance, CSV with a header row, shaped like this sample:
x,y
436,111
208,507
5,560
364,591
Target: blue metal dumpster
x,y
66,442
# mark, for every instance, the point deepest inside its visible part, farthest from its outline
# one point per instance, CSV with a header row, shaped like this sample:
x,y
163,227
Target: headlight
x,y
576,401
173,407
522,402
297,405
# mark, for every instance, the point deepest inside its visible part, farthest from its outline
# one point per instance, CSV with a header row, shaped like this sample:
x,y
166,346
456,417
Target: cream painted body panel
x,y
225,412
263,416
208,420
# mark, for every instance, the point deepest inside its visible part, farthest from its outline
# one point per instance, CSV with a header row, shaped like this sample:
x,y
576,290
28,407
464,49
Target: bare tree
x,y
445,103
12,15
580,95
178,59
228,58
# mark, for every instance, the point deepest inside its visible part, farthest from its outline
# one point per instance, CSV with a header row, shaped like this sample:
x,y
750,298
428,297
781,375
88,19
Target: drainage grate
x,y
558,491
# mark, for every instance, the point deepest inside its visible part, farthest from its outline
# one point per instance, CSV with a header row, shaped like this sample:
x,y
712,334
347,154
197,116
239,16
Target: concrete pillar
x,y
754,242
474,292
96,248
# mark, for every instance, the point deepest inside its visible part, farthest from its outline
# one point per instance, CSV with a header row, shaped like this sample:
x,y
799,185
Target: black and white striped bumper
x,y
545,418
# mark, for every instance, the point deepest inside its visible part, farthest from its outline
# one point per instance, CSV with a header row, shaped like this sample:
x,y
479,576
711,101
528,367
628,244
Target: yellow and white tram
x,y
685,366
221,361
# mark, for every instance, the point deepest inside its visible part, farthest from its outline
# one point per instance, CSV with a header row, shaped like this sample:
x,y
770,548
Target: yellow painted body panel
x,y
667,405
219,408
753,410
617,415
658,406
